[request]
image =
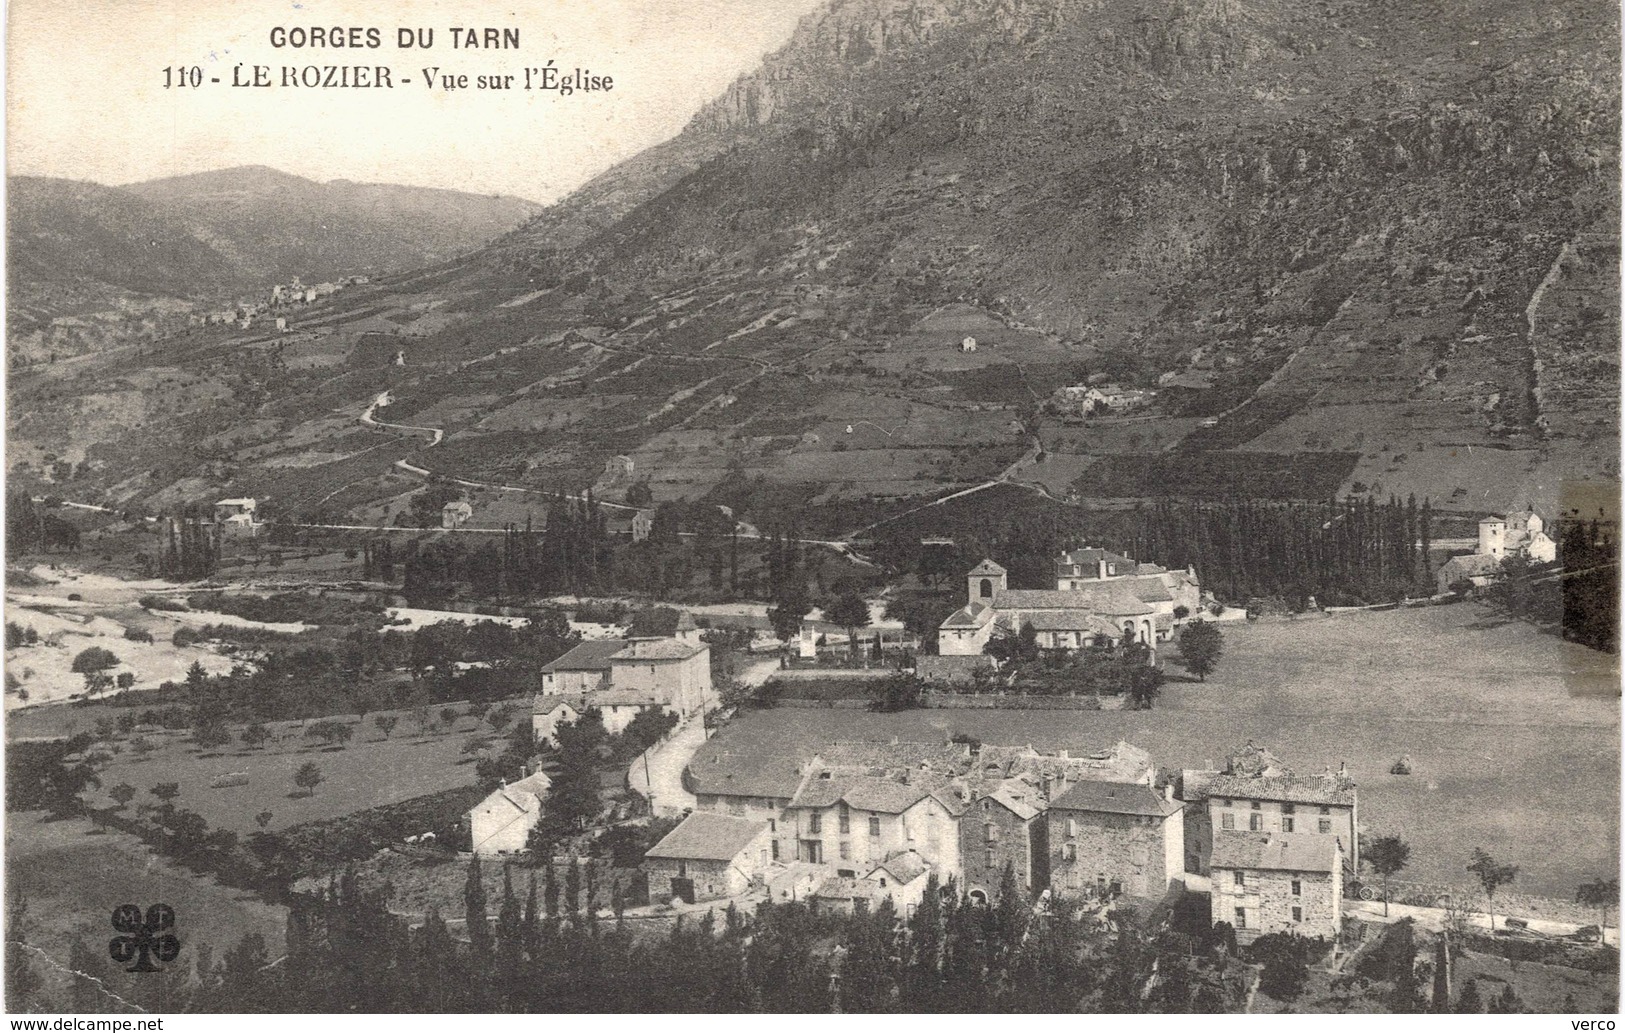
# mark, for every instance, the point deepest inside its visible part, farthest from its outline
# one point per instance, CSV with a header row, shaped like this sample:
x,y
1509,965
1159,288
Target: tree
x,y
122,794
308,777
1200,646
1387,855
165,792
211,735
256,735
1602,894
94,660
851,612
386,723
263,819
793,606
1491,876
1286,965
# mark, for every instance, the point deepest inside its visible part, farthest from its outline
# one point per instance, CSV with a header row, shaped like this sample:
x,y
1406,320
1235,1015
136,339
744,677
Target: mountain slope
x,y
1356,246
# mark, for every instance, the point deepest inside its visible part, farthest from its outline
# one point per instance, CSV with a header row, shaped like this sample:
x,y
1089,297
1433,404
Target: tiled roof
x,y
1149,568
1090,559
1275,851
987,567
1151,590
972,616
1318,789
772,774
1072,620
1472,565
1015,801
588,656
905,866
1115,798
861,792
656,649
839,887
1105,597
704,836
884,755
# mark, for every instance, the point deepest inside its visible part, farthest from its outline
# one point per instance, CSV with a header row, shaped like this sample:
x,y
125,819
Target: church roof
x,y
987,567
973,615
1109,598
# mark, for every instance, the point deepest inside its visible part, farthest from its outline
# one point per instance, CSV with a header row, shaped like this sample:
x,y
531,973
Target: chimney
x,y
1062,754
1168,792
1100,565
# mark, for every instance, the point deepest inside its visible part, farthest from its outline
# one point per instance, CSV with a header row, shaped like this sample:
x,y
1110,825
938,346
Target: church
x,y
1098,596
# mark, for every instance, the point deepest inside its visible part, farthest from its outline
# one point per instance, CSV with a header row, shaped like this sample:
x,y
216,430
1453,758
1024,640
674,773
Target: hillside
x,y
91,262
1352,246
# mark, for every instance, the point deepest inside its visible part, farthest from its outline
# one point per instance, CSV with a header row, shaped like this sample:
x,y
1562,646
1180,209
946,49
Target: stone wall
x,y
1138,852
984,854
1269,900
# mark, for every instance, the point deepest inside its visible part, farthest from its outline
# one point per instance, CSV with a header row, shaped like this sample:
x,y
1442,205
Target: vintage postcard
x,y
863,506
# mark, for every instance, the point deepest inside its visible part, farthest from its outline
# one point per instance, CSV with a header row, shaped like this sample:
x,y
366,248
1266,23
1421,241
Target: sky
x,y
86,96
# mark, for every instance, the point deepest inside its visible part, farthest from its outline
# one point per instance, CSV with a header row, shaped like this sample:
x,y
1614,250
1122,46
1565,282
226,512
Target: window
x,y
682,869
1297,914
1241,918
1297,888
773,847
1071,828
874,824
1069,851
772,826
990,833
845,819
846,850
1325,810
1257,806
1286,824
1287,808
1255,822
991,861
815,823
1238,878
1325,826
1227,820
882,882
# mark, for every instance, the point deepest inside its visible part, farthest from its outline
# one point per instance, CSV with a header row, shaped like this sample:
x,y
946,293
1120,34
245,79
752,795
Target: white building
x,y
1519,534
501,823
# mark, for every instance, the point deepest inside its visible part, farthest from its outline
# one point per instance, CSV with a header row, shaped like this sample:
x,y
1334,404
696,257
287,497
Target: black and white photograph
x,y
812,506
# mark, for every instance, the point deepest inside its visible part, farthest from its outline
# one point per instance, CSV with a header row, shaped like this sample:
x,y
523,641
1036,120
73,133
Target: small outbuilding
x,y
708,857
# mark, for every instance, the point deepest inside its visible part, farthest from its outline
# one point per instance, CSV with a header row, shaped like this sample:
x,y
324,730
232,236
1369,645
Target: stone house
x,y
501,823
708,857
1325,805
900,878
1005,826
635,524
237,517
618,467
849,820
584,668
754,785
1516,534
1118,837
968,344
1275,882
548,714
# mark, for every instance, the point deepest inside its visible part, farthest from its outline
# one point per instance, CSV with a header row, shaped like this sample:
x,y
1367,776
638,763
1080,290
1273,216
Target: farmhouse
x,y
1519,534
548,714
1098,597
635,525
618,467
900,878
1274,882
455,514
708,857
1477,568
237,517
621,677
501,823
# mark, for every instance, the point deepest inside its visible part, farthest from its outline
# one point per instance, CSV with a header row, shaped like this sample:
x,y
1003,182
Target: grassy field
x,y
73,876
1514,736
362,775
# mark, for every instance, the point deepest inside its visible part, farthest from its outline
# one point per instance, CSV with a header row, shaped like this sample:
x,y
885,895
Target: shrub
x,y
184,637
138,635
160,602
